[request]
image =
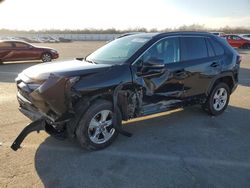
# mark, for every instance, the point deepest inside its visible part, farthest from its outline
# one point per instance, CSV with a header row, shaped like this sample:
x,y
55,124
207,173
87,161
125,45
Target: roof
x,y
14,41
160,35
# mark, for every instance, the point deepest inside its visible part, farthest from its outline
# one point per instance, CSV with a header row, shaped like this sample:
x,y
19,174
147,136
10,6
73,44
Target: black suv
x,y
132,76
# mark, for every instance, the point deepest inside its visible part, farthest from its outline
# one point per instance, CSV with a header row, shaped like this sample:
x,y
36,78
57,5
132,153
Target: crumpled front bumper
x,y
48,100
45,105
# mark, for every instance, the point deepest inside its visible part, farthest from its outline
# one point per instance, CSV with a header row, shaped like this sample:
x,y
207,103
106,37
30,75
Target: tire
x,y
46,57
246,46
91,133
218,99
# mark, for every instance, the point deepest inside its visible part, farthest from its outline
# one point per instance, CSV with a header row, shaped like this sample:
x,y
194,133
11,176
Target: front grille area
x,y
23,90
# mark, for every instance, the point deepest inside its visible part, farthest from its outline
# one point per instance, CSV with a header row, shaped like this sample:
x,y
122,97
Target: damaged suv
x,y
132,76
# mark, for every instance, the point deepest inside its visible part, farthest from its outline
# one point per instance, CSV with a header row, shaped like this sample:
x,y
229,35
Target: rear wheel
x,y
96,128
46,57
246,46
218,99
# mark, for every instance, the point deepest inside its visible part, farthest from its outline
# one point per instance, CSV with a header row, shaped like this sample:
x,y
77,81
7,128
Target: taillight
x,y
238,60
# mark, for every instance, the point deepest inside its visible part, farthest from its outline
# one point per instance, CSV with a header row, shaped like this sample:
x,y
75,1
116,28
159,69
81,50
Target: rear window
x,y
5,45
193,48
219,50
210,49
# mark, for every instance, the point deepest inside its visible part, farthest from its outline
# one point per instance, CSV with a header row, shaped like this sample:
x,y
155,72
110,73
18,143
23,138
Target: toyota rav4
x,y
132,76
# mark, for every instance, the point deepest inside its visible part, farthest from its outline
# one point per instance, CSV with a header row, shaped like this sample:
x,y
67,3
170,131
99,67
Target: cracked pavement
x,y
180,148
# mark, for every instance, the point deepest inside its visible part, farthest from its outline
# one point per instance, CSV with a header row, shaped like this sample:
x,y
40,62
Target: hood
x,y
65,69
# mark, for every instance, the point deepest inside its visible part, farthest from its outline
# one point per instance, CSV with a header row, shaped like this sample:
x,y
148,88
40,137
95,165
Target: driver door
x,y
162,85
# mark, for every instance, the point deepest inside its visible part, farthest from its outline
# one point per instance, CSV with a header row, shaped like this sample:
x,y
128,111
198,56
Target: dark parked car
x,y
132,76
22,51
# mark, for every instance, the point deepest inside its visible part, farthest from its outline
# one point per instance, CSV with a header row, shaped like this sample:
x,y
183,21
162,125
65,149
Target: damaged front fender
x,y
53,96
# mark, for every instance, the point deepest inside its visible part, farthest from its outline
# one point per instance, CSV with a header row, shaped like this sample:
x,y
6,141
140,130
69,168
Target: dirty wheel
x,y
96,128
218,99
46,57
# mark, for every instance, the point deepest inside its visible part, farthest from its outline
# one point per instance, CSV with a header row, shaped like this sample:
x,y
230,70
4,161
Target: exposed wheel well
x,y
109,97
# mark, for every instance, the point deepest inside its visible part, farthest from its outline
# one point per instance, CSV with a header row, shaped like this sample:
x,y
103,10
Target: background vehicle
x,y
245,36
132,76
219,34
238,42
22,51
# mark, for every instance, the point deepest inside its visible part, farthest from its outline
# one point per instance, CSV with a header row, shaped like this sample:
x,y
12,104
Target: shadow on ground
x,y
186,148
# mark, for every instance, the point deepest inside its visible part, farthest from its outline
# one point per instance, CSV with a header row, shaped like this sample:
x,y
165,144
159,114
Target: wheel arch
x,y
227,78
84,103
45,52
245,45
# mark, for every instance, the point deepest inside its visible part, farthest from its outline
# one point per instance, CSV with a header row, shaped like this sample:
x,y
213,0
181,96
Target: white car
x,y
245,36
219,34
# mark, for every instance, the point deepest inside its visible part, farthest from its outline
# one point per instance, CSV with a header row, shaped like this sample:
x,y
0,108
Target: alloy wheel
x,y
220,99
46,57
100,128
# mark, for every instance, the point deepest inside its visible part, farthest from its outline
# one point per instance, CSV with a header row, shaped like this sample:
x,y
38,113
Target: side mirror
x,y
153,67
154,63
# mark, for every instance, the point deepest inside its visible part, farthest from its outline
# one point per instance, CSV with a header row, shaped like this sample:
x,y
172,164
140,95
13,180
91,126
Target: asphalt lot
x,y
181,148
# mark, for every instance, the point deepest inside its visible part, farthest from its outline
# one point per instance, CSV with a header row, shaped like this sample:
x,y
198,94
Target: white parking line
x,y
145,156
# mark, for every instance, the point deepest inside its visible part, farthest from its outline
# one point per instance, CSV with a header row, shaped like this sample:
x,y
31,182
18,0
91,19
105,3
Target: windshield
x,y
119,50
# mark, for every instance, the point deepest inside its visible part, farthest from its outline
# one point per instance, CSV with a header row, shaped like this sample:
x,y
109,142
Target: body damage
x,y
60,93
62,98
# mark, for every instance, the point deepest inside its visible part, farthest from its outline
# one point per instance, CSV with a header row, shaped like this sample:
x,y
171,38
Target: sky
x,y
122,14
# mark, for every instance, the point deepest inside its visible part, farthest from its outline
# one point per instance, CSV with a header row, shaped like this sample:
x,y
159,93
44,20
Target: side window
x,y
193,48
210,49
235,37
219,50
167,50
5,45
21,45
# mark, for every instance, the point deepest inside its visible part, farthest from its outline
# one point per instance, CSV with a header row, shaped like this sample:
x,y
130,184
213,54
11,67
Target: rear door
x,y
200,64
22,51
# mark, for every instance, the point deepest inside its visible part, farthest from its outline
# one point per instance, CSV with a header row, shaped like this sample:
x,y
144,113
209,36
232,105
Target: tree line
x,y
194,27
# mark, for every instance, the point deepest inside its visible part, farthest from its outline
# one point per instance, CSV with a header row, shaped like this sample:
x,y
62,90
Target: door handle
x,y
214,64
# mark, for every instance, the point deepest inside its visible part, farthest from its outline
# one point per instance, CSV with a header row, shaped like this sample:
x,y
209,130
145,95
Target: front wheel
x,y
96,128
218,99
46,57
